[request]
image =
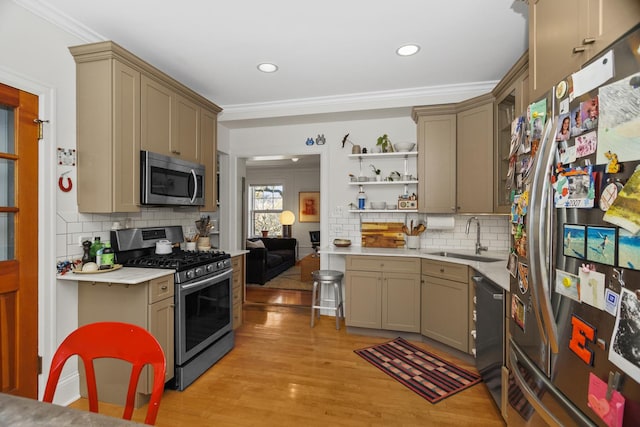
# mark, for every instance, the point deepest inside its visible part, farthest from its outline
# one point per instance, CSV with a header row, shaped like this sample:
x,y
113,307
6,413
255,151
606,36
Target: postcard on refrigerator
x,y
567,284
619,121
624,351
624,212
592,288
574,188
628,250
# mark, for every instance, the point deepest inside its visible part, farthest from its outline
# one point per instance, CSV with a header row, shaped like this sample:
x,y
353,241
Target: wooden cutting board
x,y
382,234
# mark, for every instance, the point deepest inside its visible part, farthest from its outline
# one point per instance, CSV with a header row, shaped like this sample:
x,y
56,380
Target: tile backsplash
x,y
494,230
72,226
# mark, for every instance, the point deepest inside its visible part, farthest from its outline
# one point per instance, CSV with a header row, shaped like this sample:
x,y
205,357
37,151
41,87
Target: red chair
x,y
112,340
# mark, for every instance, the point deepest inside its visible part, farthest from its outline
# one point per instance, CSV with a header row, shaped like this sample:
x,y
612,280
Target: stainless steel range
x,y
203,296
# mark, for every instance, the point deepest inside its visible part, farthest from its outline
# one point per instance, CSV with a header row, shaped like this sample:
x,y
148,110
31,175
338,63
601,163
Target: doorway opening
x,y
294,178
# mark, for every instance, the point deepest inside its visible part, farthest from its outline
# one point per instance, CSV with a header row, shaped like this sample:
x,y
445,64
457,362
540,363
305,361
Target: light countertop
x,y
495,271
126,275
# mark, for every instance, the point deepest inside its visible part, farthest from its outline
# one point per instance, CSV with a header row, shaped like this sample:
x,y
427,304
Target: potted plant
x,y
376,172
394,176
385,143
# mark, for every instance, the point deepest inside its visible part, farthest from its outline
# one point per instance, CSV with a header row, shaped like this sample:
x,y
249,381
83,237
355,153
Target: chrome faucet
x,y
479,247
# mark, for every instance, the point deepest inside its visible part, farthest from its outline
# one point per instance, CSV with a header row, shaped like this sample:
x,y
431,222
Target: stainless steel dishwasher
x,y
488,334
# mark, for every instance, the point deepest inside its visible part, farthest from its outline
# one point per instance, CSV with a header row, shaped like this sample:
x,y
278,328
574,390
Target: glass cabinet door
x,y
505,116
7,183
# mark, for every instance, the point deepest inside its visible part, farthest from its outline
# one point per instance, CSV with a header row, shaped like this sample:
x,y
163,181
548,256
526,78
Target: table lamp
x,y
287,218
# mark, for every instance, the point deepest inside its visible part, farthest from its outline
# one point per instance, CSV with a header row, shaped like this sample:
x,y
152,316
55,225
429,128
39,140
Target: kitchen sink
x,y
465,256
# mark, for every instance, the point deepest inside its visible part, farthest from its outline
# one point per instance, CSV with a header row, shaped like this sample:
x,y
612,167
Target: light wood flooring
x,y
284,373
257,295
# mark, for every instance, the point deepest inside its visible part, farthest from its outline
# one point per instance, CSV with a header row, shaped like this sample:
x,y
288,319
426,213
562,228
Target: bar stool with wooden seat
x,y
332,278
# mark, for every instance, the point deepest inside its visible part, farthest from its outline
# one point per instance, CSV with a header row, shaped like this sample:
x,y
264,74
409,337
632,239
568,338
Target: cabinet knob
x,y
175,152
441,269
589,40
579,49
164,287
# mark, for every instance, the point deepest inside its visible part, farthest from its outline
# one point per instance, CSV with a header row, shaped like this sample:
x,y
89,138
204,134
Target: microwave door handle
x,y
195,186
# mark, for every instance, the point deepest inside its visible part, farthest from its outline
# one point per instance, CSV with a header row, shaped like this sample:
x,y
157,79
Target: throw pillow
x,y
257,244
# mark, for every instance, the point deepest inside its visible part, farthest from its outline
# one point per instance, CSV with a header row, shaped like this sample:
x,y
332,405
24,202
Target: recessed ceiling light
x,y
408,50
294,159
267,67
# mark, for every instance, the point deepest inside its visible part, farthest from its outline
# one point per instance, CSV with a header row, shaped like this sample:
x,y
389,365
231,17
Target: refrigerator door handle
x,y
517,357
537,244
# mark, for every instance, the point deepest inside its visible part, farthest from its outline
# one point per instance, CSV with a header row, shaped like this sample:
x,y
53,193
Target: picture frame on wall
x,y
309,206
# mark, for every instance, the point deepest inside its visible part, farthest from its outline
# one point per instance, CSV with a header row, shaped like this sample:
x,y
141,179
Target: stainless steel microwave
x,y
166,180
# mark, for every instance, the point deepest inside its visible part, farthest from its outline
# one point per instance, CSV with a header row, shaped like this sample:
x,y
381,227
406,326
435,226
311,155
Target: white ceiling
x,y
330,52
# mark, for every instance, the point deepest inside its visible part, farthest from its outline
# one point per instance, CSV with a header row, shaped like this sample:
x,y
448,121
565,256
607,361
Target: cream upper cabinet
x,y
208,157
455,156
108,134
436,158
474,159
563,35
170,123
125,105
155,124
185,141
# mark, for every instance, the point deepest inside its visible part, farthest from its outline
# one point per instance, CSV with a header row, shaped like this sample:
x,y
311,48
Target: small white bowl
x,y
378,205
404,146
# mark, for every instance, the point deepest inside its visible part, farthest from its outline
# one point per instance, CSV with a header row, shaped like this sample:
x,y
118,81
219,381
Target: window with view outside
x,y
265,204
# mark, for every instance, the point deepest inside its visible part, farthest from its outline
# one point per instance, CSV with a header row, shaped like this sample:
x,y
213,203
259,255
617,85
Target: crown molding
x,y
49,13
391,99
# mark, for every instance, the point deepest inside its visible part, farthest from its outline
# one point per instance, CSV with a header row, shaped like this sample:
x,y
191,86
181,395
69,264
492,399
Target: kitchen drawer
x,y
445,270
383,264
161,288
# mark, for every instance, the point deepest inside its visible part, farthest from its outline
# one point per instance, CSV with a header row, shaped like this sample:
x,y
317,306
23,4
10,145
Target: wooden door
x,y
18,242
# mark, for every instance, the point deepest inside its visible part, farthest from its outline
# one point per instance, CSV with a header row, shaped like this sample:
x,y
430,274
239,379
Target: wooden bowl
x,y
341,243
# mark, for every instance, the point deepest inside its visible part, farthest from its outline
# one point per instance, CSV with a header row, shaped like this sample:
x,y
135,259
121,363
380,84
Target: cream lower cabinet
x,y
383,293
445,303
237,264
149,305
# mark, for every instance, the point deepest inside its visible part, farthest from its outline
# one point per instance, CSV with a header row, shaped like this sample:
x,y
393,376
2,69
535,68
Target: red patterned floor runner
x,y
425,373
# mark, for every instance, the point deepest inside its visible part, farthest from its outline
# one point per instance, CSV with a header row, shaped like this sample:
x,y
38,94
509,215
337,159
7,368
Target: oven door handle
x,y
206,280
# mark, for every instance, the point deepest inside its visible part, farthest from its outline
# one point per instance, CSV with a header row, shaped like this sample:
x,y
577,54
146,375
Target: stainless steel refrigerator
x,y
573,346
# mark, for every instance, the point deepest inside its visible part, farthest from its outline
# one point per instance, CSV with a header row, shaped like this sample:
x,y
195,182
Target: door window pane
x,y
7,184
7,144
7,236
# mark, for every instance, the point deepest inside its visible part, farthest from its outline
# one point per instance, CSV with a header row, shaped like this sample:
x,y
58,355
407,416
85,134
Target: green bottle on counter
x,y
108,256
